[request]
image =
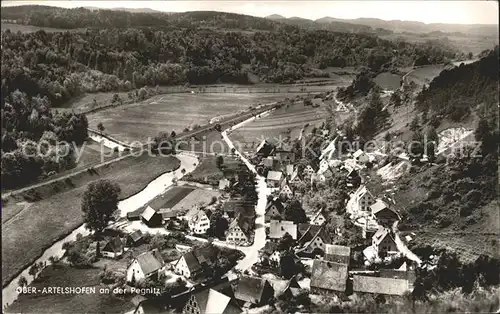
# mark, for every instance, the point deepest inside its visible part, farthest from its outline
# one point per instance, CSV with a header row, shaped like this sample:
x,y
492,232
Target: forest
x,y
173,49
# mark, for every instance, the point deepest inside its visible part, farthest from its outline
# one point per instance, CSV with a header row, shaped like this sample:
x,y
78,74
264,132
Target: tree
x,y
173,134
22,281
219,161
218,225
99,202
33,270
286,243
484,133
288,267
294,212
100,127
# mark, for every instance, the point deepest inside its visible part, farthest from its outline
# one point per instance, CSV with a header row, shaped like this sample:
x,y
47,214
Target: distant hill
x,y
276,17
132,10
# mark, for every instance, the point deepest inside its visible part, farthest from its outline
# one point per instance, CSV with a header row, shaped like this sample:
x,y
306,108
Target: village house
x,y
196,262
380,285
383,242
295,179
289,170
113,248
210,301
278,229
308,172
239,231
285,191
364,199
235,207
338,253
360,156
146,265
135,238
151,217
318,218
383,214
274,210
253,291
270,253
274,178
353,178
198,221
312,240
328,277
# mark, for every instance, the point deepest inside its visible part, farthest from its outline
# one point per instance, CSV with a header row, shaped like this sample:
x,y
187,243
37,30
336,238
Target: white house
x,y
312,240
193,263
198,221
383,214
238,231
383,241
277,229
274,209
145,265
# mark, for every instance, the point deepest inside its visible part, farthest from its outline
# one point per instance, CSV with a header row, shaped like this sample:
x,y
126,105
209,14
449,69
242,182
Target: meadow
x,y
14,28
388,81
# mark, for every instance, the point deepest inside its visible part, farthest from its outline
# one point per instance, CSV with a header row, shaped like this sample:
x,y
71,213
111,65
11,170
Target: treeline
x,y
61,65
453,93
30,136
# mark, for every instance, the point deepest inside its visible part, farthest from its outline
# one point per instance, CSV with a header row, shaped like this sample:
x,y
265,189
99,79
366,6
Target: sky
x,y
453,12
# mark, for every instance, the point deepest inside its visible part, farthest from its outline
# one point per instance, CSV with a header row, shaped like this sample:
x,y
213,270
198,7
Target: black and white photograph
x,y
258,157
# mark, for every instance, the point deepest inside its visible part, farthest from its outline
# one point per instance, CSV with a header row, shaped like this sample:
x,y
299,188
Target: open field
x,y
207,169
168,199
282,123
65,276
388,81
425,74
29,28
35,220
173,112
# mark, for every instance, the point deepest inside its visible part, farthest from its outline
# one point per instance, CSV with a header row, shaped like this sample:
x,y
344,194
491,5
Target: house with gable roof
x,y
195,262
274,178
380,285
318,218
151,217
363,199
285,191
274,210
134,238
360,156
253,291
308,172
312,240
383,213
146,265
113,248
383,242
328,277
239,231
198,221
209,301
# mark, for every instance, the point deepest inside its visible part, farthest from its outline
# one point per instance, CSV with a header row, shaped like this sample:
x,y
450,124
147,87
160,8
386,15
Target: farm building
x,y
196,262
135,238
312,240
146,265
328,277
384,215
278,229
337,253
253,290
151,217
135,215
379,285
113,248
210,301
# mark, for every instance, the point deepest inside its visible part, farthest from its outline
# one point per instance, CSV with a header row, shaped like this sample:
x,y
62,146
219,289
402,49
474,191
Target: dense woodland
x,y
194,48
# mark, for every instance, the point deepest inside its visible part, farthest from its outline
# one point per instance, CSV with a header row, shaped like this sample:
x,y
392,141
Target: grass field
x,y
65,276
425,74
173,112
207,168
34,222
195,198
29,28
284,122
388,81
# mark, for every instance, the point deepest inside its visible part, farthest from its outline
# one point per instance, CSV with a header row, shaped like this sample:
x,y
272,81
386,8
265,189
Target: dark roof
x,y
134,214
269,248
329,275
241,222
148,213
170,214
250,289
136,235
307,232
198,256
150,261
239,206
277,203
114,245
278,229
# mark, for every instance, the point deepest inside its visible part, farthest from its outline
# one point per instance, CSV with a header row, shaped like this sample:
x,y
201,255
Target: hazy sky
x,y
461,12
